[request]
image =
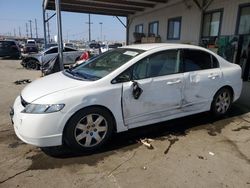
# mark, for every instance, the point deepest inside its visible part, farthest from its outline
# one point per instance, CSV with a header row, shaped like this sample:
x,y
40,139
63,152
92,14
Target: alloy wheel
x,y
223,102
91,130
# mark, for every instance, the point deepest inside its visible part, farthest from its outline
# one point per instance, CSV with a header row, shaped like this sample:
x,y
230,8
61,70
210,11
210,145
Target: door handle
x,y
213,76
173,82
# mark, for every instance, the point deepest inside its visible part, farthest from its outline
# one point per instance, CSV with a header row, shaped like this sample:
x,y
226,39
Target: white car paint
x,y
69,57
163,97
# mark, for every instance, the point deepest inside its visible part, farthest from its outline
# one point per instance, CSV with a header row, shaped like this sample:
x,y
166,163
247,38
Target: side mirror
x,y
137,91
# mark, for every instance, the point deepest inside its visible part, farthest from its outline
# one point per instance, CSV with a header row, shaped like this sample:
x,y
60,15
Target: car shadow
x,y
158,131
10,58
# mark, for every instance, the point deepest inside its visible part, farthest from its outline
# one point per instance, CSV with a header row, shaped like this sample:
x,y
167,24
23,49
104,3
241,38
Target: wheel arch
x,y
230,88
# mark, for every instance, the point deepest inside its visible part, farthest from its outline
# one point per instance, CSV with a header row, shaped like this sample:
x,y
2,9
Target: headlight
x,y
42,108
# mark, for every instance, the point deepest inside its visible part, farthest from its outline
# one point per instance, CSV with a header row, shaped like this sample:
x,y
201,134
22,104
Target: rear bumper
x,y
237,90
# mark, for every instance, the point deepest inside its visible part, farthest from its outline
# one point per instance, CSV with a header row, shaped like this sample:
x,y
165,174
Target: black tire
x,y
222,102
78,129
32,64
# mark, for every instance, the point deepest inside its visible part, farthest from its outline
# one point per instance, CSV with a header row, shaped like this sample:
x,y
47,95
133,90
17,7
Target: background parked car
x,y
34,61
10,49
30,47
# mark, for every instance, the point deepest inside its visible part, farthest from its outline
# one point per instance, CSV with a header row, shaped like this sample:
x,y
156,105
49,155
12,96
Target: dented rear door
x,y
202,77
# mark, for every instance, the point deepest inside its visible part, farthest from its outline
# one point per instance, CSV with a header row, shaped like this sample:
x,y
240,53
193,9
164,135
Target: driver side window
x,y
159,64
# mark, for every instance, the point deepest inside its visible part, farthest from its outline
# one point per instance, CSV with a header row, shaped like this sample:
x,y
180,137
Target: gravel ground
x,y
194,151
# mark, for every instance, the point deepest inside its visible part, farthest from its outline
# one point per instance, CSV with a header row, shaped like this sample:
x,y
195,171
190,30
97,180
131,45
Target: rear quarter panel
x,y
232,76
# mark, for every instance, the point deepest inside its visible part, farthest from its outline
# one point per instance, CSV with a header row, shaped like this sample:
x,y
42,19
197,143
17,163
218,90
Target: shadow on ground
x,y
169,130
177,127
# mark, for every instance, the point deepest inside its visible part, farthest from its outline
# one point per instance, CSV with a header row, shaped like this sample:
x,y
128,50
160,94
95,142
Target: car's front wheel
x,y
222,102
32,64
89,129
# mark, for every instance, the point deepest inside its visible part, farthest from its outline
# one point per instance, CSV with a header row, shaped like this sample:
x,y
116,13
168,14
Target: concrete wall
x,y
191,18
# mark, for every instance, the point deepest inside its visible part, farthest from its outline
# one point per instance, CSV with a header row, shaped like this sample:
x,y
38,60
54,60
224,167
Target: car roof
x,y
152,46
63,47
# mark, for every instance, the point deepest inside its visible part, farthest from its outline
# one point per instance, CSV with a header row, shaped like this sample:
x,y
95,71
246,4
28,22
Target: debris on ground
x,y
23,81
211,153
172,140
147,142
242,128
201,157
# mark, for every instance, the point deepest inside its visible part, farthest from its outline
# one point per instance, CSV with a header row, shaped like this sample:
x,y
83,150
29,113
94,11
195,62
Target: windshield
x,y
102,65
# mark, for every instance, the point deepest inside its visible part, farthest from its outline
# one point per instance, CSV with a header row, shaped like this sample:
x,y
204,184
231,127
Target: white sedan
x,y
122,89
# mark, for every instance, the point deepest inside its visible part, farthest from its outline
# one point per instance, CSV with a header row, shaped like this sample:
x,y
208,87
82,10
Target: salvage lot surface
x,y
194,151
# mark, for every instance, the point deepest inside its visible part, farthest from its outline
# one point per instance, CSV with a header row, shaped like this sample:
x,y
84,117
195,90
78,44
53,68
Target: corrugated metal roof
x,y
104,7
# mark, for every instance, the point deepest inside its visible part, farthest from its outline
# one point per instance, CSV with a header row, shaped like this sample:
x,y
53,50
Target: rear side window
x,y
69,50
194,60
215,62
51,51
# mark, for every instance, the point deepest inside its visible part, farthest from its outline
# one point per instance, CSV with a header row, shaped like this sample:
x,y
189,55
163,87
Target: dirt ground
x,y
194,151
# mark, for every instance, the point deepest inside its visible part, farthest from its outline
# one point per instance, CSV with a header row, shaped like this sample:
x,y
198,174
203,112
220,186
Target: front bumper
x,y
36,129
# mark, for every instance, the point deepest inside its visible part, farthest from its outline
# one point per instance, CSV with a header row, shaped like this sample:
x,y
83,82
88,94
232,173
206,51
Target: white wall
x,y
230,13
191,18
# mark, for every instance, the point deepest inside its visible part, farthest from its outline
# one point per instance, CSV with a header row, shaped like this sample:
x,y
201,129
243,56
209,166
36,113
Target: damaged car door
x,y
154,91
203,77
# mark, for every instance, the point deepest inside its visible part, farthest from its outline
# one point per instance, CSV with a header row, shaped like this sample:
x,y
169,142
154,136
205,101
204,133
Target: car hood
x,y
34,55
48,85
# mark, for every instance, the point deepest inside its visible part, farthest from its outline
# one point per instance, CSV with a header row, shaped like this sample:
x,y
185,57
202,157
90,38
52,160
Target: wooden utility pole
x,y
30,28
36,28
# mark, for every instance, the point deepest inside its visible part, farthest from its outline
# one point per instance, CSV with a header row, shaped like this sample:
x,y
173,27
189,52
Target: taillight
x,y
84,56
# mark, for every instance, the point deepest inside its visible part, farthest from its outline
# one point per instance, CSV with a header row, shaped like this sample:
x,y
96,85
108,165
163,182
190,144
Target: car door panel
x,y
161,84
161,97
199,88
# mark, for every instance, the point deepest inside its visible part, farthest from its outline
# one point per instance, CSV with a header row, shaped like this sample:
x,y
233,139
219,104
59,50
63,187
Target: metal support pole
x,y
101,31
48,28
59,32
44,30
127,31
89,29
121,21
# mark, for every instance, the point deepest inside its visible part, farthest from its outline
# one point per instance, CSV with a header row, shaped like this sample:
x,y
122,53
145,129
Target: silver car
x,y
34,61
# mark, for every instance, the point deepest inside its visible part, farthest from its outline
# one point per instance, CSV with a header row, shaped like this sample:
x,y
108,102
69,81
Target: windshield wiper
x,y
75,74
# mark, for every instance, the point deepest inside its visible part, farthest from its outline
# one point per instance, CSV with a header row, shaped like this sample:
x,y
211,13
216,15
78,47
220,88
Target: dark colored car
x,y
10,49
115,45
30,48
94,45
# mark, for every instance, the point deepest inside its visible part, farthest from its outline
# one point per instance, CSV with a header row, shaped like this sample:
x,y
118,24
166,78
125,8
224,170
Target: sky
x,y
14,14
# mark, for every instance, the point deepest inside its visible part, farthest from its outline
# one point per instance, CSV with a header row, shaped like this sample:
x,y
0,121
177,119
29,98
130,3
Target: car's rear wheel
x,y
89,129
222,102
